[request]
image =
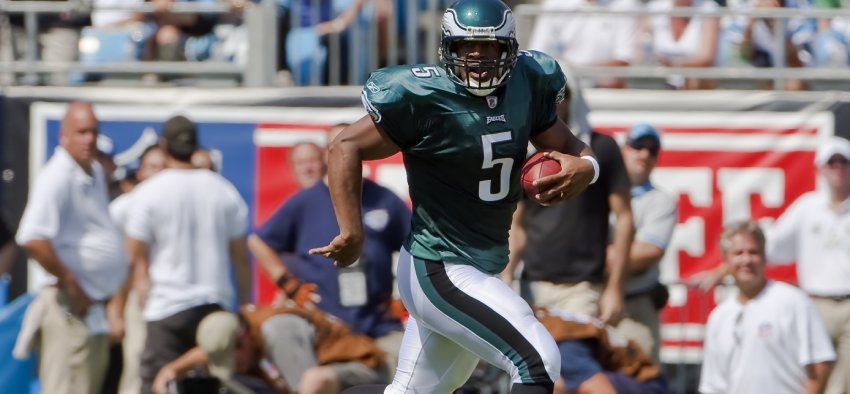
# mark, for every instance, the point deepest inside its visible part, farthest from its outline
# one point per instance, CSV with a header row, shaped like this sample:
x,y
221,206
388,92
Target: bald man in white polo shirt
x,y
815,232
66,228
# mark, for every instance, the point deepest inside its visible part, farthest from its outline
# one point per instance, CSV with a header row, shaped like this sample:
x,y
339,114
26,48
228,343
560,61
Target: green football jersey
x,y
463,153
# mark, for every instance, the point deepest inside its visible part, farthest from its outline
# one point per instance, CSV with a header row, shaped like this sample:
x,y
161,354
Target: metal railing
x,y
526,15
416,42
259,19
411,36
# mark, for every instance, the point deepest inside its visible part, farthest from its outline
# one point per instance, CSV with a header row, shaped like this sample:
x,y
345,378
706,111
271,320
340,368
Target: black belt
x,y
836,298
658,293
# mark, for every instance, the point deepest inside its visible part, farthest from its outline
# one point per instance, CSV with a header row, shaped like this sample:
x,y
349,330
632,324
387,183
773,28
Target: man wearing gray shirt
x,y
655,215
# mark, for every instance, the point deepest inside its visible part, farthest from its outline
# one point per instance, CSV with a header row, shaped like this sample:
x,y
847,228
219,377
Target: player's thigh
x,y
430,363
480,313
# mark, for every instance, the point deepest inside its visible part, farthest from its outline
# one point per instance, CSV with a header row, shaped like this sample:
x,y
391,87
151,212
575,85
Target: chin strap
x,y
481,92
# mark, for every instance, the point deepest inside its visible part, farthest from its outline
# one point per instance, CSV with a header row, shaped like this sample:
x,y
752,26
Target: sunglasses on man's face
x,y
837,161
646,143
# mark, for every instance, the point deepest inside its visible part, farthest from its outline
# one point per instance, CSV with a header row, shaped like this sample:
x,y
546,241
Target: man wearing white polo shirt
x,y
66,228
815,232
187,234
766,339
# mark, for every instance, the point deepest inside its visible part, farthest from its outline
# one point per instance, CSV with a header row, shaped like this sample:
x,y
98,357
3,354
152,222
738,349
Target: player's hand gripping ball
x,y
537,166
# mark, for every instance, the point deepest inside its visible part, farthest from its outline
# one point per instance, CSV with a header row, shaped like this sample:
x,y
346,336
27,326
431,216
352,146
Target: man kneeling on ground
x,y
596,359
235,349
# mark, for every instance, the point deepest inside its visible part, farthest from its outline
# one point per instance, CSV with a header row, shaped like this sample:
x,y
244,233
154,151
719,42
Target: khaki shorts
x,y
70,360
581,297
836,318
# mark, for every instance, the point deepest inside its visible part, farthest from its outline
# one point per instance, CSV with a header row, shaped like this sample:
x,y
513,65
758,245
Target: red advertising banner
x,y
721,167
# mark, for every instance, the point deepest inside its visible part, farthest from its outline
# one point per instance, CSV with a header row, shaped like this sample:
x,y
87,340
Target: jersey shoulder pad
x,y
395,96
539,63
401,86
544,71
405,79
381,92
388,78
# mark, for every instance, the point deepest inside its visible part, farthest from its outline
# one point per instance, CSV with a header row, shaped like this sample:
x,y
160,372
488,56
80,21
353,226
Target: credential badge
x,y
492,101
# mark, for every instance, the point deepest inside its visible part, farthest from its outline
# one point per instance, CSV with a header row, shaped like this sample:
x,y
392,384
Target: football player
x,y
463,127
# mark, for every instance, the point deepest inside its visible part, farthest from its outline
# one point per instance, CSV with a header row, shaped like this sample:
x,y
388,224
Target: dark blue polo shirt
x,y
306,220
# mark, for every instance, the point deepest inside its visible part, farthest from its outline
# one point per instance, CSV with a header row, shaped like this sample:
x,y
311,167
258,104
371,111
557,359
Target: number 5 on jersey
x,y
506,165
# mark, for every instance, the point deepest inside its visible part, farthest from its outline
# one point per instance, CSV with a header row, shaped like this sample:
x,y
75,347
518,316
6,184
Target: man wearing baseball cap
x,y
655,215
815,232
235,348
186,235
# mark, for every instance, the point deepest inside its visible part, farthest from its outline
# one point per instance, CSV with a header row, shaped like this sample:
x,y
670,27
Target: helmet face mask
x,y
474,23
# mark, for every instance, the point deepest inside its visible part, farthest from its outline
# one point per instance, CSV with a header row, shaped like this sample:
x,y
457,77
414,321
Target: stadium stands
x,y
249,49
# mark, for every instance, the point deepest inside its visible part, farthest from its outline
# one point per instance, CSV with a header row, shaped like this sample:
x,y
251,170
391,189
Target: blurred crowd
x,y
308,32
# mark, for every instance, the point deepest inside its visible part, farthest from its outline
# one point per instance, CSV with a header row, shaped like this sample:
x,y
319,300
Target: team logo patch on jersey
x,y
373,112
492,102
562,94
497,118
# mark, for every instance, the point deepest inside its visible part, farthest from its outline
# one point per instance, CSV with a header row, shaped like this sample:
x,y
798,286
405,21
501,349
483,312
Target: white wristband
x,y
595,165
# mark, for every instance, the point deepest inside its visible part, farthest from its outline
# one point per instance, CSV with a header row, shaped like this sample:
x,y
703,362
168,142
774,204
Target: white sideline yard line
x,y
822,121
682,331
681,355
719,119
740,142
287,137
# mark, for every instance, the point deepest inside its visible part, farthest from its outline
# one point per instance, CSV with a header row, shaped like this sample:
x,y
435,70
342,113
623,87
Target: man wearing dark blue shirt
x,y
359,295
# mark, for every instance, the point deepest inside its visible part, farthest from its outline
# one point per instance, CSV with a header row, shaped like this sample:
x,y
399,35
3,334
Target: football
x,y
537,166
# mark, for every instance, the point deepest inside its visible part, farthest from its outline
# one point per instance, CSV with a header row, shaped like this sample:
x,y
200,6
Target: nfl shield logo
x,y
492,101
765,330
